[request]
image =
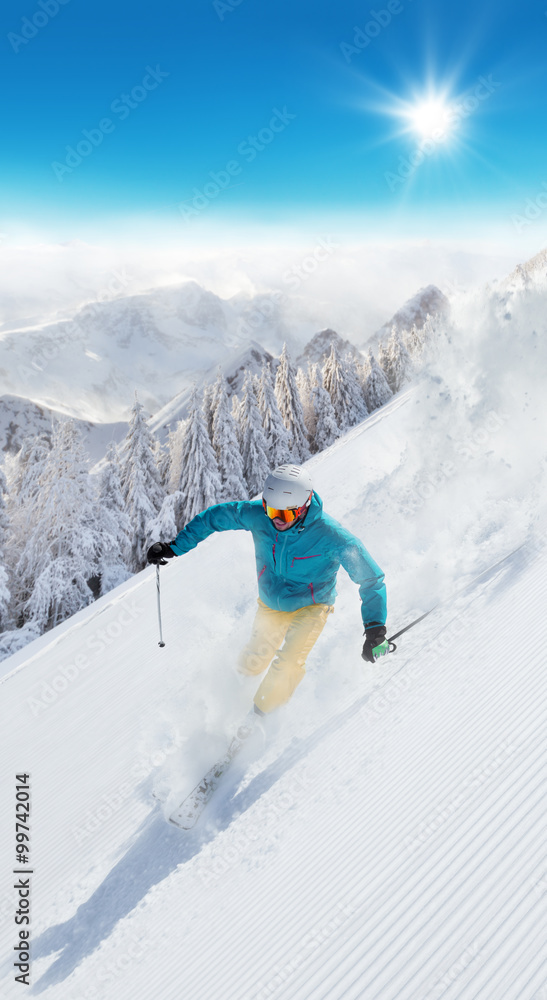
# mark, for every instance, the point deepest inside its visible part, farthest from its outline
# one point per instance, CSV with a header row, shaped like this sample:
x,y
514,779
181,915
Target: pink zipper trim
x,y
273,549
261,572
316,556
310,585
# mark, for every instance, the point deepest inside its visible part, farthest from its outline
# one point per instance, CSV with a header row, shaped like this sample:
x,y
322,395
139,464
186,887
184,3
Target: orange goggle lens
x,y
284,515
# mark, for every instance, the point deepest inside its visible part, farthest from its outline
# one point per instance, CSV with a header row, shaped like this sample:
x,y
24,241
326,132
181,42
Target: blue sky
x,y
336,139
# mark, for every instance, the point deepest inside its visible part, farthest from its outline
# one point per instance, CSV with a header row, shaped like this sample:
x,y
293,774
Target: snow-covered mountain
x,y
20,418
156,342
318,348
427,301
533,273
384,837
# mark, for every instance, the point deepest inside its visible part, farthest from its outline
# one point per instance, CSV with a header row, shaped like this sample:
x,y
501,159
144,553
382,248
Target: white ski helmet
x,y
287,486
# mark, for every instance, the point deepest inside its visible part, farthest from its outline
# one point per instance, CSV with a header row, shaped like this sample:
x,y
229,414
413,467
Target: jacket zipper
x,y
261,572
310,587
273,549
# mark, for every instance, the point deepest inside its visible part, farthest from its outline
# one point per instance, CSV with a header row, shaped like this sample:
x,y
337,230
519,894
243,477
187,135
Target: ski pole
x,y
161,642
406,628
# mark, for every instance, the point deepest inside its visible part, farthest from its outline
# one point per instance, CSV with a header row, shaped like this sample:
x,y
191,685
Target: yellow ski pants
x,y
289,634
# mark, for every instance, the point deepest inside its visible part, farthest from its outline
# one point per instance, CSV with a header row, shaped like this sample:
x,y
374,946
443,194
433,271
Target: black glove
x,y
159,553
375,644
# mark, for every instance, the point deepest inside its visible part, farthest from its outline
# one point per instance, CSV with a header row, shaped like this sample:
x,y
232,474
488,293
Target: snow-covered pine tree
x,y
165,527
226,446
355,396
290,408
363,368
275,432
5,595
254,452
397,365
414,341
305,380
377,391
174,446
303,385
200,484
163,463
237,414
209,406
140,483
326,429
383,360
24,471
114,523
61,552
334,383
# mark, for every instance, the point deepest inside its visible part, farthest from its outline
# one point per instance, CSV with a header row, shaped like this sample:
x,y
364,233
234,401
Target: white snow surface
x,y
383,837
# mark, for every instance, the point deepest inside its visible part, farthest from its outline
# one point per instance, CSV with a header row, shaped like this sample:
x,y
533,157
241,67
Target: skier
x,y
299,550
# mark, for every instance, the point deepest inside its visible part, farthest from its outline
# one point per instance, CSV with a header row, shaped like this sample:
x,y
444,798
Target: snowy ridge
x,y
427,301
318,348
533,272
20,418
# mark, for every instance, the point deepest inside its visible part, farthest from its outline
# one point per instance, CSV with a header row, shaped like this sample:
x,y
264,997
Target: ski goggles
x,y
288,515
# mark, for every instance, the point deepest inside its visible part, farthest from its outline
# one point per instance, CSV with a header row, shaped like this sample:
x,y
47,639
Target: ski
x,y
191,808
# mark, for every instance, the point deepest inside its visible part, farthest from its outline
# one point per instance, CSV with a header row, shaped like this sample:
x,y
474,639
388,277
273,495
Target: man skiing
x,y
299,550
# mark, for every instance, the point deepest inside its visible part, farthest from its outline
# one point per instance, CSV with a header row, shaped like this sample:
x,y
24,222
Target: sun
x,y
430,116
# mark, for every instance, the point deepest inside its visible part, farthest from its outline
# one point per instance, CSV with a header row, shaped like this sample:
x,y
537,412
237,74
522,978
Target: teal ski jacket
x,y
298,566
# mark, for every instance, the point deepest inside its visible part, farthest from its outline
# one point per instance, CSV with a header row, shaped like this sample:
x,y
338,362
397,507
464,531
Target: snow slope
x,y
384,837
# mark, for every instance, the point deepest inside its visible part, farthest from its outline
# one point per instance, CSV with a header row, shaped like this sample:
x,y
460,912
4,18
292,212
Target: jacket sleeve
x,y
231,516
362,569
